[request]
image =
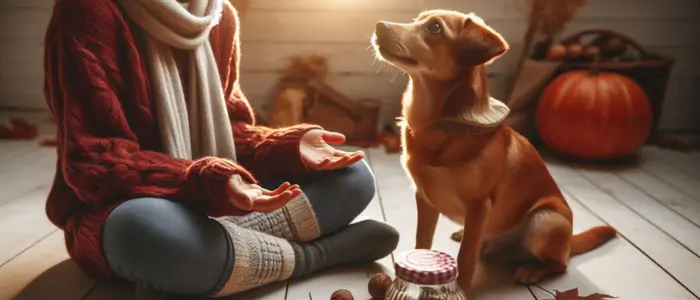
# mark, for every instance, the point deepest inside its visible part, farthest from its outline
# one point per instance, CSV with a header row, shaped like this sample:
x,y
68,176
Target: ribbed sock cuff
x,y
296,221
259,259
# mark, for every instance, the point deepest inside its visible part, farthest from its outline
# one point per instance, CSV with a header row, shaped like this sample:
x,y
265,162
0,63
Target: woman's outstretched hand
x,y
252,197
317,154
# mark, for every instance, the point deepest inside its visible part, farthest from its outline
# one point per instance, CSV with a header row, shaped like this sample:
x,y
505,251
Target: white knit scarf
x,y
197,124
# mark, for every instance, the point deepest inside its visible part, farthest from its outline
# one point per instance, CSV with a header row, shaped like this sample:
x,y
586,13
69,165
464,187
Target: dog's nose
x,y
382,28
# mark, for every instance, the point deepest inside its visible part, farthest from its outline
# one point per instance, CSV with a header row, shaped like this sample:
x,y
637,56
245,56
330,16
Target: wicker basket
x,y
652,71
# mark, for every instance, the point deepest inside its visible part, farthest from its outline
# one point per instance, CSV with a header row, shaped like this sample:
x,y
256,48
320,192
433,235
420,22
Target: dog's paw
x,y
457,235
531,274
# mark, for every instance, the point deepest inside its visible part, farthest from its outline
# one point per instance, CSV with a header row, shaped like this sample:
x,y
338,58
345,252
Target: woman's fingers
x,y
252,197
341,153
331,137
283,187
354,157
339,162
267,203
321,165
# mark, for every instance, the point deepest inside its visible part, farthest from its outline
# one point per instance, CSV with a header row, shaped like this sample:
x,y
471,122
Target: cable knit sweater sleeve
x,y
270,154
99,155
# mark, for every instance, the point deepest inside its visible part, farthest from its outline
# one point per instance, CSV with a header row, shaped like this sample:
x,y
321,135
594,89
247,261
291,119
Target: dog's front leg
x,y
427,221
475,218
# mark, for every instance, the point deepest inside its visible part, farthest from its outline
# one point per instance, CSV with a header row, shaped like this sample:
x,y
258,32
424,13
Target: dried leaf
x,y
572,294
597,296
49,142
305,68
19,129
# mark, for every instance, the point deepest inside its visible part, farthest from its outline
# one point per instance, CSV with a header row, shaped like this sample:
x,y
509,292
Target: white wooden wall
x,y
340,29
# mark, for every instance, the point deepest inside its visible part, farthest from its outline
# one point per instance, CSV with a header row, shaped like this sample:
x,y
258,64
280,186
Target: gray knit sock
x,y
258,258
296,221
365,241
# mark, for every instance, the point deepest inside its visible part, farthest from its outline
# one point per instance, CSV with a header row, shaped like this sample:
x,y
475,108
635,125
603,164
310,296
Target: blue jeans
x,y
143,236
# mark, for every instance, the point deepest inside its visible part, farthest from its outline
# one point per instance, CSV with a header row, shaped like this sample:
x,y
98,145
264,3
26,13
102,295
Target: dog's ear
x,y
478,44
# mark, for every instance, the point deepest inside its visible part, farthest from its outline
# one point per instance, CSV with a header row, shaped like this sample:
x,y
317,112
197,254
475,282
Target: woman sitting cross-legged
x,y
163,179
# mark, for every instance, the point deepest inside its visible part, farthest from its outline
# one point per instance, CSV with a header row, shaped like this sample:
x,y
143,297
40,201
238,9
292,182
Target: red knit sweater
x,y
109,149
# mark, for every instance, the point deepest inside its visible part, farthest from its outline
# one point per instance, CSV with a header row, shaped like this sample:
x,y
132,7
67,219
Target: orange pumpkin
x,y
593,116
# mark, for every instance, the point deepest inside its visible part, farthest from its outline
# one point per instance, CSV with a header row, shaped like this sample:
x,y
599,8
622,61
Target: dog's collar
x,y
474,121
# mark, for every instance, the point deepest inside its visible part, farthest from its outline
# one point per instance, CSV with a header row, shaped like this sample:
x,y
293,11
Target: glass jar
x,y
425,275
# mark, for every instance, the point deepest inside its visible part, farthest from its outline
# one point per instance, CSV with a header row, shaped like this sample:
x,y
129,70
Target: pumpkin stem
x,y
595,66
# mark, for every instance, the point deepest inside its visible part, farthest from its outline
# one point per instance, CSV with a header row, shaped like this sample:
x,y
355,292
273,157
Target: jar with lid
x,y
425,275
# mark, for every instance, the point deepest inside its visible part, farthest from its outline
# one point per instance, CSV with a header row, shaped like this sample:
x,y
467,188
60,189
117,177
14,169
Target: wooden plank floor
x,y
654,204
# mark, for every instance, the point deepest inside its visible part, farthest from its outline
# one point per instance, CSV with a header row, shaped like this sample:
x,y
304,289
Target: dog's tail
x,y
591,239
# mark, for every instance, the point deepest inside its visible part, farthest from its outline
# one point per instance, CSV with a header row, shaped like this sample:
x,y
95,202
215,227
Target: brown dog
x,y
468,164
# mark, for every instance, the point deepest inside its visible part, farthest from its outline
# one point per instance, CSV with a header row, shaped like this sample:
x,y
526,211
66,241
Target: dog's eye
x,y
433,27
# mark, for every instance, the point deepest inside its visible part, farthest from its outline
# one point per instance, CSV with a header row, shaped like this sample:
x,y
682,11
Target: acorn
x,y
378,286
556,52
342,295
457,235
574,50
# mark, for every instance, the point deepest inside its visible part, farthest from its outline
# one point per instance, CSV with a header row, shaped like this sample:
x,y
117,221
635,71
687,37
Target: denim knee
x,y
339,196
166,246
360,180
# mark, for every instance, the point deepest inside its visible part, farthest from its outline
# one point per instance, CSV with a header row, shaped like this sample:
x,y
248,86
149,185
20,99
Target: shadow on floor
x,y
62,281
66,281
616,164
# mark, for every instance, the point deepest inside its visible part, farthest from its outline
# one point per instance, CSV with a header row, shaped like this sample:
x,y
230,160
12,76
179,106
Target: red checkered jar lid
x,y
427,267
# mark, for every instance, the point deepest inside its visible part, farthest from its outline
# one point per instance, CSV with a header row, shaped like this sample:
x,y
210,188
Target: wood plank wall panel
x,y
340,29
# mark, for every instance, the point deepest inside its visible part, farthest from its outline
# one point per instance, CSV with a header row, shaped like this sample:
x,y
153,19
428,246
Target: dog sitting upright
x,y
468,164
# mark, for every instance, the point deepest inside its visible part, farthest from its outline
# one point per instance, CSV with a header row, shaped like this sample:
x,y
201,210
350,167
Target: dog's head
x,y
438,43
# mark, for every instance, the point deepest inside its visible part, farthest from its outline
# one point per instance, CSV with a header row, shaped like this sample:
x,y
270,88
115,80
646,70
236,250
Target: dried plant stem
x,y
547,18
546,291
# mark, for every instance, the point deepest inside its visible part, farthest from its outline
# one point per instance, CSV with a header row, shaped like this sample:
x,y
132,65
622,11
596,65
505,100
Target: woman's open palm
x,y
318,154
252,197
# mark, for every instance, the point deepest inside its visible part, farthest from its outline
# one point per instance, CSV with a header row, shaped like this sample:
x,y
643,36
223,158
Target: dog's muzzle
x,y
382,29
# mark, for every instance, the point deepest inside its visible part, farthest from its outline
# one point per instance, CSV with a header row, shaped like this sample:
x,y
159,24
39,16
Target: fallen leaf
x,y
572,294
565,295
19,129
597,296
49,142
